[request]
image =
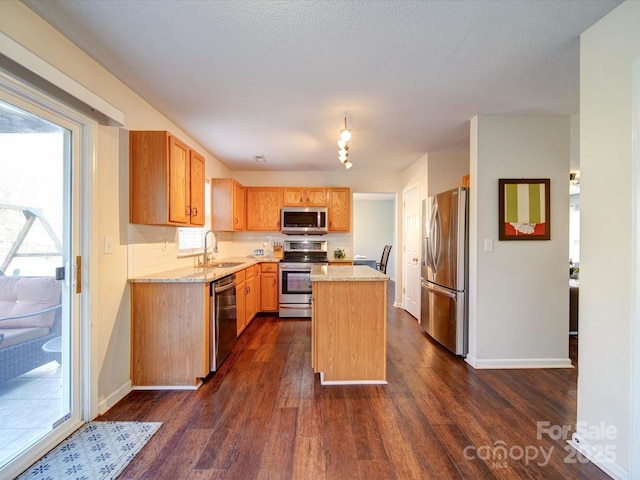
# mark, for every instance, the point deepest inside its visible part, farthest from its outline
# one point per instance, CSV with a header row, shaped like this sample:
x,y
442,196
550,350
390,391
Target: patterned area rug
x,y
98,451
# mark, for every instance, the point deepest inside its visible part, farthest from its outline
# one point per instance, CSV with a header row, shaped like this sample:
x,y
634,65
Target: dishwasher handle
x,y
219,288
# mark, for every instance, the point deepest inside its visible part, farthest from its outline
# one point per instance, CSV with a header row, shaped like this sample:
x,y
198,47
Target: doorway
x,y
374,221
40,384
411,251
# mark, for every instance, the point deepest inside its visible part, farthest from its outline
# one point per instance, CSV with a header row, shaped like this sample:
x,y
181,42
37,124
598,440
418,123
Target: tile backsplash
x,y
155,249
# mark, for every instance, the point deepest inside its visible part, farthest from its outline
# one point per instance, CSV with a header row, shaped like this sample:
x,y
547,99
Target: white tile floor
x,y
29,405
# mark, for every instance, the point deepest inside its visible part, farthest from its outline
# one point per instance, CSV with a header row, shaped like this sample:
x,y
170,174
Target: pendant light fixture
x,y
343,146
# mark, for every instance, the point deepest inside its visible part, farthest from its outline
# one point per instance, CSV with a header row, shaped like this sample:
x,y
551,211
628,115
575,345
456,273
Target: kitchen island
x,y
349,325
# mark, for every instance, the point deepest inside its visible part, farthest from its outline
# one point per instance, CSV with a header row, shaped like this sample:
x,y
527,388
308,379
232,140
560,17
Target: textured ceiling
x,y
276,78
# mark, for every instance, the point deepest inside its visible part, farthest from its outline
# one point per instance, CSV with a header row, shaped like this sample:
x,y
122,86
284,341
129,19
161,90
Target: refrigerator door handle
x,y
436,238
438,290
429,240
428,260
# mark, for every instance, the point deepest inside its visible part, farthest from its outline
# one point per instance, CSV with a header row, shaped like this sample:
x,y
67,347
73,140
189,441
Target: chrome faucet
x,y
205,261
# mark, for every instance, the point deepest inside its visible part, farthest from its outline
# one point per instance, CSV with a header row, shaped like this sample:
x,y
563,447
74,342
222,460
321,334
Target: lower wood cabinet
x,y
241,302
257,281
269,290
169,333
170,328
250,299
247,296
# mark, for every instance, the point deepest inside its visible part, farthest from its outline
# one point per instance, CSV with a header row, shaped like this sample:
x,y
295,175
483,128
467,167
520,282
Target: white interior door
x,y
411,251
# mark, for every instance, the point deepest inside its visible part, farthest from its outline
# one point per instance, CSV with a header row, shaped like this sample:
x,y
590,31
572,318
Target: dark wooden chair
x,y
382,265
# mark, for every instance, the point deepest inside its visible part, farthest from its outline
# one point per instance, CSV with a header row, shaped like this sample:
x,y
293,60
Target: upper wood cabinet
x,y
304,197
263,208
197,176
339,209
228,205
166,180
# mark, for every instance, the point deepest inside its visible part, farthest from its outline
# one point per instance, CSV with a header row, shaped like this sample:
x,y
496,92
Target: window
x,y
191,240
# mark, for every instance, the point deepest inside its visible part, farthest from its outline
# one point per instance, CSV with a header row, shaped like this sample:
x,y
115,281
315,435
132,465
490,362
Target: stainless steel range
x,y
295,275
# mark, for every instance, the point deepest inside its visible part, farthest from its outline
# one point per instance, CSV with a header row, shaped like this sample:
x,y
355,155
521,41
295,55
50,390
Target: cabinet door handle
x,y
235,221
195,211
189,210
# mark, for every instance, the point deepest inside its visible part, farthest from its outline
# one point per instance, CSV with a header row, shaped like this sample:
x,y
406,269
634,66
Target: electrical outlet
x,y
108,244
164,245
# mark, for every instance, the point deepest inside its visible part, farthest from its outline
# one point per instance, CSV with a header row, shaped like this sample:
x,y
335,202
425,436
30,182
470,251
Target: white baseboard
x,y
598,458
502,363
397,304
114,398
168,387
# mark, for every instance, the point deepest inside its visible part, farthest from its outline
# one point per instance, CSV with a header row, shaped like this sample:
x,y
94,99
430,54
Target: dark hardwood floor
x,y
264,414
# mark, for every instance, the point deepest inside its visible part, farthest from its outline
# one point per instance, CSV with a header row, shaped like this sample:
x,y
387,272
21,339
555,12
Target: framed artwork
x,y
524,209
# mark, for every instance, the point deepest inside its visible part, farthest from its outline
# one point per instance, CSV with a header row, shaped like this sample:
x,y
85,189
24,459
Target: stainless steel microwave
x,y
303,220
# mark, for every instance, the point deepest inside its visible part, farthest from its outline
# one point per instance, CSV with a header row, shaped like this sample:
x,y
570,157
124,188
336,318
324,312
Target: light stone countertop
x,y
346,273
340,260
202,275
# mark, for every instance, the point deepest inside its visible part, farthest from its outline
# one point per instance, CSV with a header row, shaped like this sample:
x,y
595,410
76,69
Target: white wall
x,y
373,228
446,170
607,52
111,314
519,294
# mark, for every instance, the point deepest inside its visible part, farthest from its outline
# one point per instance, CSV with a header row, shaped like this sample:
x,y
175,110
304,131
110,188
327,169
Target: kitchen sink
x,y
221,265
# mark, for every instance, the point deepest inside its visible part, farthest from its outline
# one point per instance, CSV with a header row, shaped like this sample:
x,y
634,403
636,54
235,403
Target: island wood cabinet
x,y
166,180
348,331
339,209
228,205
263,208
169,334
269,292
304,197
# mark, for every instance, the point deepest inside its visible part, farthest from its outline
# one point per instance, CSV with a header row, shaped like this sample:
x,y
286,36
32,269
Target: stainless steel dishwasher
x,y
222,314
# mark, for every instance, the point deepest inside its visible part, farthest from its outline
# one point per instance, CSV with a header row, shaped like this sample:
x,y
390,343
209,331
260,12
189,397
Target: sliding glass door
x,y
40,383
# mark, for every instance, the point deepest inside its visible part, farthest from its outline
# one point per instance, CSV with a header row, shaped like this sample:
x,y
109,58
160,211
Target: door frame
x,y
84,211
415,186
634,467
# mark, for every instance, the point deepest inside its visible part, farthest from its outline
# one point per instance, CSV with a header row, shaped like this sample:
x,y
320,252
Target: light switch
x,y
488,244
108,248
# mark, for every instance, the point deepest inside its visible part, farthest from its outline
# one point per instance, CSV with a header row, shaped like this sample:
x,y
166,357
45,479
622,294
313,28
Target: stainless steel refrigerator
x,y
444,309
